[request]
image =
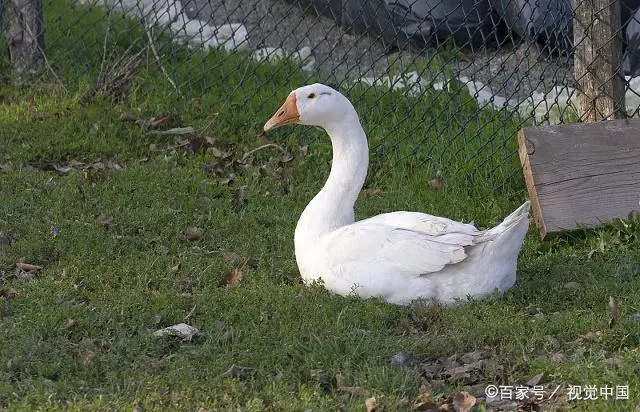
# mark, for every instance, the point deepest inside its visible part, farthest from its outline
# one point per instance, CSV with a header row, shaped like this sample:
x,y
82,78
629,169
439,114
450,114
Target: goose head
x,y
314,105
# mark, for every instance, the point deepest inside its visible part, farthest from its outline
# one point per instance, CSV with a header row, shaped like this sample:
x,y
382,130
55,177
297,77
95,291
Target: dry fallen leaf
x,y
372,192
424,403
162,120
233,278
195,102
193,234
71,323
215,152
591,336
27,267
8,293
463,401
85,356
558,357
370,404
105,220
175,269
436,183
614,312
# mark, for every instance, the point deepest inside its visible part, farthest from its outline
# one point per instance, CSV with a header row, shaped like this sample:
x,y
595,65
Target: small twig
x,y
193,309
174,131
264,146
157,57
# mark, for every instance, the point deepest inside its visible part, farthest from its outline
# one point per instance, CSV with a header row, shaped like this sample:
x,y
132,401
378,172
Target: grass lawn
x,y
103,205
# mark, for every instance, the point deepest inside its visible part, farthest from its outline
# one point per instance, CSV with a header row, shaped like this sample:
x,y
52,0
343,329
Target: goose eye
x,y
311,95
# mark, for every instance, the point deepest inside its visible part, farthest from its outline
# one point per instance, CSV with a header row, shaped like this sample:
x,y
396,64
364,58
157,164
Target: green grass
x,y
116,283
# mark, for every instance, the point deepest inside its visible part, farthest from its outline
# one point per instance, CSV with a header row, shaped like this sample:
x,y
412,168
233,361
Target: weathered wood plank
x,y
597,39
583,174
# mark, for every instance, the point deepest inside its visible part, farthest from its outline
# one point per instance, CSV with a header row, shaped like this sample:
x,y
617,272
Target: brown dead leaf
x,y
591,336
27,267
558,357
105,220
193,234
437,183
372,192
215,152
463,401
163,120
8,293
85,356
175,269
614,312
71,323
424,403
370,404
233,278
195,102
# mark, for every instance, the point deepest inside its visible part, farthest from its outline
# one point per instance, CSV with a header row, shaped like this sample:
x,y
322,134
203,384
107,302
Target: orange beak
x,y
286,114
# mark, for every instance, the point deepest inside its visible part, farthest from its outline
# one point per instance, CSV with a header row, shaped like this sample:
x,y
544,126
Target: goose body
x,y
398,256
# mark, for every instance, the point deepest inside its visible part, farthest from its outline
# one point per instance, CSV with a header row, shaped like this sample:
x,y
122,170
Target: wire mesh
x,y
458,78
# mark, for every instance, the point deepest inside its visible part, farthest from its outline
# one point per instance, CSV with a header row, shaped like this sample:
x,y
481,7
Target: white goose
x,y
397,256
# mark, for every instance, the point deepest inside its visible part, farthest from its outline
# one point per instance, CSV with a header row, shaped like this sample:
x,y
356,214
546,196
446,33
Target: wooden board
x,y
581,175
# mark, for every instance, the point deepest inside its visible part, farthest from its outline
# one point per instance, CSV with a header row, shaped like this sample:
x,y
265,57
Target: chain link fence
x,y
469,73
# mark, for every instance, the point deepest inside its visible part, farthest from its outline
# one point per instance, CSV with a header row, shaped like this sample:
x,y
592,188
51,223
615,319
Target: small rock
x,y
181,330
